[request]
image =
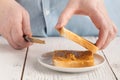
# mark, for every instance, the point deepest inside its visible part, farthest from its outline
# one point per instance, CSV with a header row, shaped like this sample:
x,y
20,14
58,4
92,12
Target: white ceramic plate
x,y
46,61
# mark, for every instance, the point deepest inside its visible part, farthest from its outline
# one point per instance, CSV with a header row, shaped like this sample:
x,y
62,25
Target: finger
x,y
26,24
11,42
102,24
101,39
109,39
17,37
115,28
7,36
112,29
65,17
111,36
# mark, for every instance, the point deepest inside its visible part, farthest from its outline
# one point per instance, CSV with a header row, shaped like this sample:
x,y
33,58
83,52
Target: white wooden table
x,y
23,64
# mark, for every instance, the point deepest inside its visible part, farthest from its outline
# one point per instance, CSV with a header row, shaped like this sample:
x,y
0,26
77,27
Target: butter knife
x,y
33,40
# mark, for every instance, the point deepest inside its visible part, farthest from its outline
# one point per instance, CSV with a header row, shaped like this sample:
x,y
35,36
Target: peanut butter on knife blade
x,y
81,41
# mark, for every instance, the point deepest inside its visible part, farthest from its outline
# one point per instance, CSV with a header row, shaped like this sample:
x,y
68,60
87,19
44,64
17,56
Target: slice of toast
x,y
81,41
73,59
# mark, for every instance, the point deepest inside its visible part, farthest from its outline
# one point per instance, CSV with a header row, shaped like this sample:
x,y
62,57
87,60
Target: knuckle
x,y
102,43
27,14
106,28
115,28
94,9
112,33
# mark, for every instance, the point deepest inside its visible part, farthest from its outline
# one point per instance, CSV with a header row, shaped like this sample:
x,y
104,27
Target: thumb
x,y
64,17
26,24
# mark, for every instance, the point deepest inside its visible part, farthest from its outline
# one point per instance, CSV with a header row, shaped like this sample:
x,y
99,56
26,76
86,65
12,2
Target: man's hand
x,y
95,9
14,23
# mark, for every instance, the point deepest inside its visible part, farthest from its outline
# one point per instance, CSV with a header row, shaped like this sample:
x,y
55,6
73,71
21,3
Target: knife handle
x,y
34,40
26,38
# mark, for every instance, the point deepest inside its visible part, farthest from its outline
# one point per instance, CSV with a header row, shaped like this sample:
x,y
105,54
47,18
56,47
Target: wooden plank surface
x,y
112,53
11,61
35,71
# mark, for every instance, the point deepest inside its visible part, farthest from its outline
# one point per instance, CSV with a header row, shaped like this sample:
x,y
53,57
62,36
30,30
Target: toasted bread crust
x,y
78,39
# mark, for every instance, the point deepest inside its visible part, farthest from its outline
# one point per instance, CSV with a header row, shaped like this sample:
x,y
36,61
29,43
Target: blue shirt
x,y
44,15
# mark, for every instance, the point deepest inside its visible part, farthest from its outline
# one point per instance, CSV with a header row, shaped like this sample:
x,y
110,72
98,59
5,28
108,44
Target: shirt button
x,y
47,12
